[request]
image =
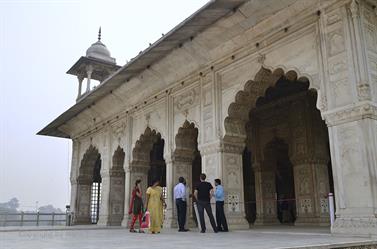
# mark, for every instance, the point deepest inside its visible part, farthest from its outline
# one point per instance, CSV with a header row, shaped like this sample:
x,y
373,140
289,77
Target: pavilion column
x,y
353,146
170,213
265,195
104,209
81,210
80,79
116,200
311,191
224,161
89,71
179,165
127,197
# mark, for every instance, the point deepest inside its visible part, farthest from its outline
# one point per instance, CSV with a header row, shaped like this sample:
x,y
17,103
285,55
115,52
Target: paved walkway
x,y
261,238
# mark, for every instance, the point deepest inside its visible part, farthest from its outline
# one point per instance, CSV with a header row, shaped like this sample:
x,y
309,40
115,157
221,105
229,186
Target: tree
x,y
49,209
10,206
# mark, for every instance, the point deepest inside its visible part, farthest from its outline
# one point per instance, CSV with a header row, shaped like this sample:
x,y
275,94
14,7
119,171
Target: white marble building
x,y
276,98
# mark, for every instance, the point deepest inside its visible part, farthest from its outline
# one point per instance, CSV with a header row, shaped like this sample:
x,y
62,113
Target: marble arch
x,y
187,160
87,205
246,99
142,166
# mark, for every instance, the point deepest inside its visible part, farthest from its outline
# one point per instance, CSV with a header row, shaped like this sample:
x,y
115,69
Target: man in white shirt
x,y
180,201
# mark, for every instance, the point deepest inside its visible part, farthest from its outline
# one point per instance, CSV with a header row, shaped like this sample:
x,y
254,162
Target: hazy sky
x,y
39,42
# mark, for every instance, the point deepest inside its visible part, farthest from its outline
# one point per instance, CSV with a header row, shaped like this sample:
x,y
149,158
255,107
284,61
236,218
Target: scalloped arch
x,y
118,158
187,136
88,162
144,144
245,100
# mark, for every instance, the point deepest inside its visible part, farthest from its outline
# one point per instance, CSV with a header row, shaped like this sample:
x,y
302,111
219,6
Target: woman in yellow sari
x,y
154,205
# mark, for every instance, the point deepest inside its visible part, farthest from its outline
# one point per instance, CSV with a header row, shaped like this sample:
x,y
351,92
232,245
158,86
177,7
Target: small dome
x,y
98,50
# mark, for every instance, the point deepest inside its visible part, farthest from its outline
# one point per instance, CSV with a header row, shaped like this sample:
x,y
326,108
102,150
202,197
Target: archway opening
x,y
148,161
95,200
188,163
157,163
286,162
249,186
89,181
276,158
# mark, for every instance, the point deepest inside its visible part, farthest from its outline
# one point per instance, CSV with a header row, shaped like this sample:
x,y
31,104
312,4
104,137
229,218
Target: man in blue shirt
x,y
180,201
222,225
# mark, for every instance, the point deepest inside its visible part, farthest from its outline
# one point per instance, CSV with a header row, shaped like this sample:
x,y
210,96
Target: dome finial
x,y
99,34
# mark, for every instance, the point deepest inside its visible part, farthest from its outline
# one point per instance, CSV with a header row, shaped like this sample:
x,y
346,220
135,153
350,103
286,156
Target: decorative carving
x,y
233,179
349,114
353,226
324,204
306,206
336,42
337,66
354,9
333,17
233,202
186,100
363,91
207,95
304,180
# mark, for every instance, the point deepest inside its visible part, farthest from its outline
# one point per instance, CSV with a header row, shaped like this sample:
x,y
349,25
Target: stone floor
x,y
97,237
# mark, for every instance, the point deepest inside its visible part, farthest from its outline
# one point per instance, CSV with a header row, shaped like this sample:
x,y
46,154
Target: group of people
x,y
155,202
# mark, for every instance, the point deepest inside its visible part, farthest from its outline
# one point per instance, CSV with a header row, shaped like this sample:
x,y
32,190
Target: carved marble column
x,y
181,166
353,146
116,200
265,195
170,216
104,209
230,164
75,163
311,190
81,214
127,195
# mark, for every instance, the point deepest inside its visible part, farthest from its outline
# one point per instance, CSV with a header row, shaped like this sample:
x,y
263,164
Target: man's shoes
x,y
223,230
202,231
183,230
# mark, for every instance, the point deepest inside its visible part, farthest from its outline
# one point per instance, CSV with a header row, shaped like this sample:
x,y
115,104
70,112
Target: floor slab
x,y
261,238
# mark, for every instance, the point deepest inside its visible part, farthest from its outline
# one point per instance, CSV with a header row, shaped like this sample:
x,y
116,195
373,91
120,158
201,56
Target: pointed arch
x,y
246,99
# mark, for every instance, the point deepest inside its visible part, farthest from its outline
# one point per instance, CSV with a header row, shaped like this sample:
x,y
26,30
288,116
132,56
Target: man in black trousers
x,y
222,225
180,201
203,194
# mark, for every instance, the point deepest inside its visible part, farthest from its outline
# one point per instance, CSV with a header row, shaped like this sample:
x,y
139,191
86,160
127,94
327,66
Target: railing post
x,y
22,218
5,219
331,208
37,218
53,217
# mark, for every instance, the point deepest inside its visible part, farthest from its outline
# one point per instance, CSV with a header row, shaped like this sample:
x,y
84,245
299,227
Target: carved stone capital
x,y
364,92
183,155
354,8
350,113
210,148
115,173
84,180
235,148
309,160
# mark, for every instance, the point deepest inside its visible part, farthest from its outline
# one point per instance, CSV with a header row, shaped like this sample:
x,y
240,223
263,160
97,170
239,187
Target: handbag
x,y
145,220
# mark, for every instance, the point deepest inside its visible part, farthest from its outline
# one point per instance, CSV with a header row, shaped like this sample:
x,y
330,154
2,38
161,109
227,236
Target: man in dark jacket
x,y
203,194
